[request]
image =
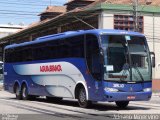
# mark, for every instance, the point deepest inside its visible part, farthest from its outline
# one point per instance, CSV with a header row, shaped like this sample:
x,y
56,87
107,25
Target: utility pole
x,y
50,2
135,13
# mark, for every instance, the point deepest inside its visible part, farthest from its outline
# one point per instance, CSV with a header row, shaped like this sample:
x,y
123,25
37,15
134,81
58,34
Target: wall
x,y
152,30
9,29
105,21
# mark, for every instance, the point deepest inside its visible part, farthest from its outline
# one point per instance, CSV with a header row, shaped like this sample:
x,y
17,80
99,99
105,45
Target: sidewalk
x,y
156,94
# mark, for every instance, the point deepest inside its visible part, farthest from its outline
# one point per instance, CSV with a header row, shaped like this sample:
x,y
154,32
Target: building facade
x,y
149,25
6,30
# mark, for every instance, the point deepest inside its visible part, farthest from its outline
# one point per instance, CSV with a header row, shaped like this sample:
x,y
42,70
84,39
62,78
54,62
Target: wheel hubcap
x,y
24,92
82,96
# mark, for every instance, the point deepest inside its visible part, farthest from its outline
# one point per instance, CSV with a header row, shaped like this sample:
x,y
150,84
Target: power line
x,y
22,17
12,13
18,11
17,6
40,1
17,3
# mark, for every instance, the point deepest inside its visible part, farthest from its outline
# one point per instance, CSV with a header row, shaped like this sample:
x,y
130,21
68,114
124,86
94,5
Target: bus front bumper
x,y
127,96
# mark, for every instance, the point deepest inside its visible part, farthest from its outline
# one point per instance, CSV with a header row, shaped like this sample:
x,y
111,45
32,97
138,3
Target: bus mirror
x,y
153,62
153,59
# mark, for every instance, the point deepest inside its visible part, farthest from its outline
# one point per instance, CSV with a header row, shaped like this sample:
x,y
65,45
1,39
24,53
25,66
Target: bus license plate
x,y
131,97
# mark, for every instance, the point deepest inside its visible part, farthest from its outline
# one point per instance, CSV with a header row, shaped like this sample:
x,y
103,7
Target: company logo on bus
x,y
51,68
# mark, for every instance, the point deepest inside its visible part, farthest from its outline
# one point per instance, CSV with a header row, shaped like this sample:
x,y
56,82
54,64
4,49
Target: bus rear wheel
x,y
82,98
18,92
25,95
122,104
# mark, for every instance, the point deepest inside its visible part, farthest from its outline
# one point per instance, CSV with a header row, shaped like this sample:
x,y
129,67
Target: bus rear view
x,y
91,66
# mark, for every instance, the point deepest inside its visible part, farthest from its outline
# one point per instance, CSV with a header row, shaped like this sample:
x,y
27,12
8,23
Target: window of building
x,y
126,22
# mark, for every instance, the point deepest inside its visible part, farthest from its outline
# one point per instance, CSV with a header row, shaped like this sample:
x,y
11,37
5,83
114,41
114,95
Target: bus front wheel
x,y
122,104
82,98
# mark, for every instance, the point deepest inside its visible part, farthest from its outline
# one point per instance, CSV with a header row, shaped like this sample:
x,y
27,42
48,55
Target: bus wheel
x,y
122,104
18,92
82,98
25,95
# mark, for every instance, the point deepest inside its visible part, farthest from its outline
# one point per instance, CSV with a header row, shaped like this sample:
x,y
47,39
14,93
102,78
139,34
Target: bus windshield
x,y
126,58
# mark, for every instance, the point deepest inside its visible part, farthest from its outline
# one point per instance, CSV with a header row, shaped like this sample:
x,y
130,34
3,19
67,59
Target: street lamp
x,y
135,12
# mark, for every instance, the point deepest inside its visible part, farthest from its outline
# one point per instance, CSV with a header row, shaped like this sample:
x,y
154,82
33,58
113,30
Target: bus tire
x,y
122,104
82,98
25,95
18,92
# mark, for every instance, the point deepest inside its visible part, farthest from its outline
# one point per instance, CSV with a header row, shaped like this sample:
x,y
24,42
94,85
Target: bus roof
x,y
74,33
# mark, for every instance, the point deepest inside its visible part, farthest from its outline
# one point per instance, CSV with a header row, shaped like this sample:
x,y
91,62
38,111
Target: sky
x,y
24,11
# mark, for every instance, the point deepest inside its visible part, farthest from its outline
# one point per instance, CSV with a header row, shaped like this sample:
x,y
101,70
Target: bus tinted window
x,y
60,48
93,56
76,46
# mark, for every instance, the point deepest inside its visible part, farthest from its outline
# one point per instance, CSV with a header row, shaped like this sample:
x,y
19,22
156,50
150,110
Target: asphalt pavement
x,y
41,109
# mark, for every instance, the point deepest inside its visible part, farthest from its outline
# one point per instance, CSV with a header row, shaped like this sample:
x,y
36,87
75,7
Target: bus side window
x,y
38,52
93,56
78,46
27,54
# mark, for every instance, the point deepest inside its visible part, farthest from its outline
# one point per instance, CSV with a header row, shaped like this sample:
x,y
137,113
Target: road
x,y
40,109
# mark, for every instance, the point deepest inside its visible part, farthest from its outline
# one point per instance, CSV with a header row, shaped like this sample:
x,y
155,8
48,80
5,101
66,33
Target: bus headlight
x,y
110,89
147,89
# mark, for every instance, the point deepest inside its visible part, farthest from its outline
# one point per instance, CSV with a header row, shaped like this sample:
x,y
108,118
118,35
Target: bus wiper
x,y
117,76
136,68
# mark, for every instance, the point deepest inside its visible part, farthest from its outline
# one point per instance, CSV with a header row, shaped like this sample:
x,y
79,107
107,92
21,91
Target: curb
x,y
156,94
